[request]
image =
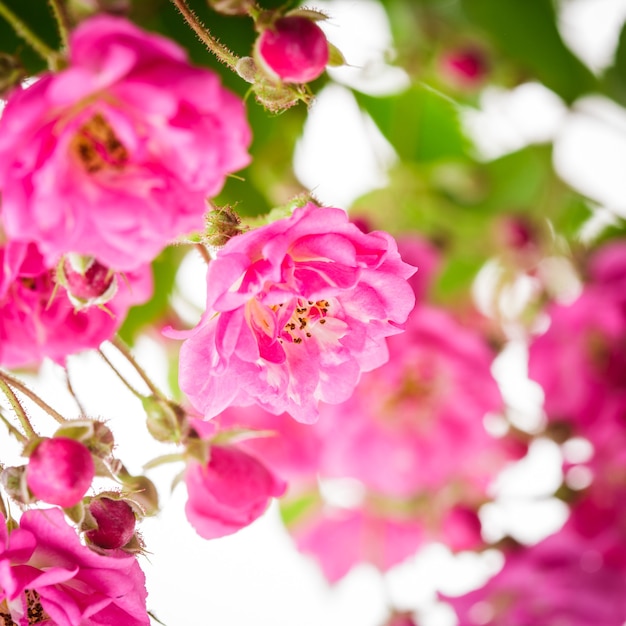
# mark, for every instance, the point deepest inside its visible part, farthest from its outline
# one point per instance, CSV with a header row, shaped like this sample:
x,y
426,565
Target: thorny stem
x,y
60,15
31,395
21,28
222,53
18,408
124,349
70,388
119,375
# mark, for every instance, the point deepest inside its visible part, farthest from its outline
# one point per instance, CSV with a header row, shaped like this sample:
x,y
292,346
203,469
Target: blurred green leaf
x,y
421,124
527,31
293,509
164,270
516,181
614,79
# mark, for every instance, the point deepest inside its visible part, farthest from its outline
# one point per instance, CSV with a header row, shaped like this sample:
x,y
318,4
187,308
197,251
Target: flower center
x,y
306,315
97,147
36,612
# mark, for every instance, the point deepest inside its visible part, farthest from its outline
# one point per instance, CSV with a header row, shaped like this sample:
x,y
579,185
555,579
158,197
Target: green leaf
x,y
526,30
293,510
614,79
420,123
164,270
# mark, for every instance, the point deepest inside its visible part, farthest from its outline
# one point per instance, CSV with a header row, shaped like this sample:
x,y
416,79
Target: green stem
x,y
20,27
31,395
14,431
222,53
62,20
18,408
119,375
125,350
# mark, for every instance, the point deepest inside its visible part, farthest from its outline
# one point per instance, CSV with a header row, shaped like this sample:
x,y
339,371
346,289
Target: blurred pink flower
x,y
465,67
581,360
229,492
341,538
416,424
46,573
564,579
60,471
293,49
37,319
296,310
113,157
420,253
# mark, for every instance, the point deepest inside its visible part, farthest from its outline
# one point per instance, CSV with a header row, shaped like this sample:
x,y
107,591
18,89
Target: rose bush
x,y
46,573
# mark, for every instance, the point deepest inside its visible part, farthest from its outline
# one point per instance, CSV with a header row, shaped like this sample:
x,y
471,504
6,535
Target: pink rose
x,y
113,157
229,492
296,310
38,320
46,573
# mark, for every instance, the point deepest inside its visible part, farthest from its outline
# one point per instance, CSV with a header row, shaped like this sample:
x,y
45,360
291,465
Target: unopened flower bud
x,y
247,69
11,73
276,98
116,523
465,68
231,7
165,421
60,471
221,224
14,482
94,434
142,491
87,281
293,49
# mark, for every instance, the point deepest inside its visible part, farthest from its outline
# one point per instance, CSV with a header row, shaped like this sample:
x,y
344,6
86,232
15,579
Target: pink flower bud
x,y
465,67
294,49
87,281
116,523
229,492
60,471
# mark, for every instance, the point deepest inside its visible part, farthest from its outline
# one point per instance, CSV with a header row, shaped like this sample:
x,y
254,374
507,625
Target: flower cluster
x,y
48,576
577,575
332,367
103,163
122,146
410,441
